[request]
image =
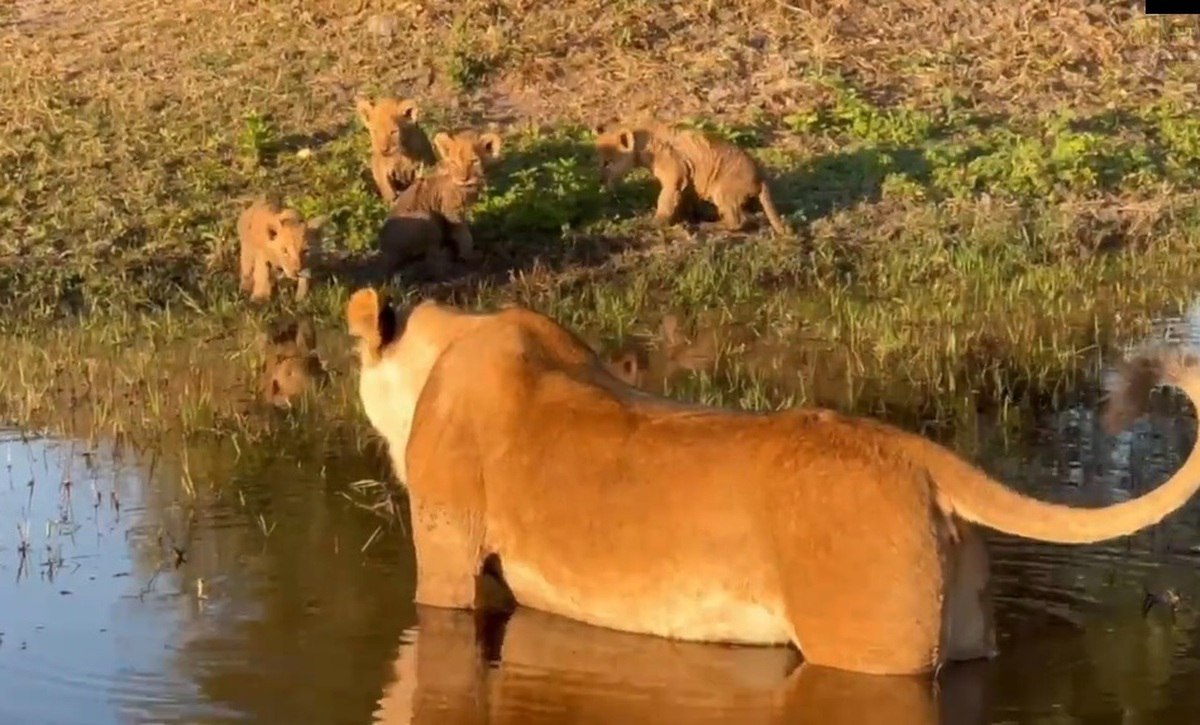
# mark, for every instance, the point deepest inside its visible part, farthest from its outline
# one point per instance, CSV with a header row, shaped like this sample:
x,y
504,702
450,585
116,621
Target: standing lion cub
x,y
274,238
439,201
853,540
688,164
399,148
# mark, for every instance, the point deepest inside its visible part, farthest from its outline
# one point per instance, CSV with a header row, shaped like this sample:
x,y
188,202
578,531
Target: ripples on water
x,y
253,600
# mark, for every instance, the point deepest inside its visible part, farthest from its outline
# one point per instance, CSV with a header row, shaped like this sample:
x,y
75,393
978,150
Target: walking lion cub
x,y
274,238
688,165
855,541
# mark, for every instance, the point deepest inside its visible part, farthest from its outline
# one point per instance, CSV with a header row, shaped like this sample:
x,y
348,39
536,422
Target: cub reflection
x,y
552,669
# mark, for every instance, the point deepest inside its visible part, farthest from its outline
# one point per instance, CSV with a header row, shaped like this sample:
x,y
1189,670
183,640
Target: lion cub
x,y
272,237
399,148
291,363
688,164
447,194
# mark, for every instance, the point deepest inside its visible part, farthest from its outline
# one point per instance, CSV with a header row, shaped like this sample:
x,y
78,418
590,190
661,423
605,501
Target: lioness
x,y
399,147
849,538
454,186
688,164
290,362
273,237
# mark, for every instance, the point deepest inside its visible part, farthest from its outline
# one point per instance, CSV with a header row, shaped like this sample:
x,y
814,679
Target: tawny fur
x,y
400,150
291,364
274,238
688,164
454,186
849,538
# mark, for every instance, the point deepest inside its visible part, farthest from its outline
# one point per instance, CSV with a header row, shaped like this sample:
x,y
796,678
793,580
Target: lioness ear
x,y
490,143
364,108
409,109
442,143
370,319
626,140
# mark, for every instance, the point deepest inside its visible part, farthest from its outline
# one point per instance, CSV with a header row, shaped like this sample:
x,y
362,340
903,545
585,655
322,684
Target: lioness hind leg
x,y
970,631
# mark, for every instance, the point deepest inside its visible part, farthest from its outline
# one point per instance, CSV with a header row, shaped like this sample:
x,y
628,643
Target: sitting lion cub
x,y
688,164
272,237
450,191
399,148
851,539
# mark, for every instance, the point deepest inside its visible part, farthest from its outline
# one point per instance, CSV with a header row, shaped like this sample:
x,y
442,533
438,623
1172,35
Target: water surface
x,y
210,584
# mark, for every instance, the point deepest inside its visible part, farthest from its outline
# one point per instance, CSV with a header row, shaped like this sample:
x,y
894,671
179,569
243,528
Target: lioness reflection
x,y
551,669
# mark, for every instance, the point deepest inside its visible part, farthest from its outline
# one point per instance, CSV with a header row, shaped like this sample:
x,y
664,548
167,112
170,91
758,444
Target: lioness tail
x,y
976,497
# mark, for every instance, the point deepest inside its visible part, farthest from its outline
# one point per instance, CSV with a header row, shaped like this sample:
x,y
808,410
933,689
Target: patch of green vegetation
x,y
467,62
942,251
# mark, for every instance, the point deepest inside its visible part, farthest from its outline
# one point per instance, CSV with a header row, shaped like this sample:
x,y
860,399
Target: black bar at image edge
x,y
1172,7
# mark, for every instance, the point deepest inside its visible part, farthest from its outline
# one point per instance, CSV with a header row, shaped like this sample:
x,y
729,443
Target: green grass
x,y
953,246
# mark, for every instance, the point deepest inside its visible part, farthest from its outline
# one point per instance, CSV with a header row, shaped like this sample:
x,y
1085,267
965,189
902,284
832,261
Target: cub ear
x,y
626,140
490,143
364,108
409,109
442,143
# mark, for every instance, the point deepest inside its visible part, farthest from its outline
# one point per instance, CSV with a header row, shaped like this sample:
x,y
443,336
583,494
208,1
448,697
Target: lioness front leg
x,y
449,555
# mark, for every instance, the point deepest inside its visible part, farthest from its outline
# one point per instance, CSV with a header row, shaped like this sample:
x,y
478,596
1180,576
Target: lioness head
x,y
463,153
386,121
291,363
289,238
616,152
397,353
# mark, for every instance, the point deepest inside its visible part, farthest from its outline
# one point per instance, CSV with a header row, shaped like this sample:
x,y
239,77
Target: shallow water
x,y
216,585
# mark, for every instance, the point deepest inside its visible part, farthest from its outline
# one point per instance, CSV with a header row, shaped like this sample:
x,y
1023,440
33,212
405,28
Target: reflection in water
x,y
209,584
551,669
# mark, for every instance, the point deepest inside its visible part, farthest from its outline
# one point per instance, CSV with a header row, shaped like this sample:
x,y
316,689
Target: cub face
x,y
388,121
289,239
616,153
291,364
464,153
